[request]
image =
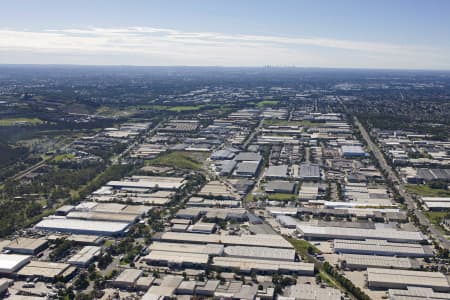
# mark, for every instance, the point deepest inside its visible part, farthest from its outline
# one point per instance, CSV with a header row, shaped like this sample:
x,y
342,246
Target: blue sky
x,y
408,34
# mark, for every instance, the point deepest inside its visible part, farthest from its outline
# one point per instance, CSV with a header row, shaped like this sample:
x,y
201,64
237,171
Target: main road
x,y
399,186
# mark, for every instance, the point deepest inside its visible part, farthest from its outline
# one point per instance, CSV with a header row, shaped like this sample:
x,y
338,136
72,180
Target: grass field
x,y
176,159
20,121
436,217
302,246
61,157
265,103
427,191
281,197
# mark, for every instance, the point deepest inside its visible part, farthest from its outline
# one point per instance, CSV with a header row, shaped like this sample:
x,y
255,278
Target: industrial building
x,y
24,245
436,203
401,279
257,240
311,292
85,256
277,172
353,151
260,253
10,263
127,279
177,259
287,221
46,270
280,186
362,262
263,266
149,182
329,232
77,226
247,168
309,171
382,247
209,249
417,293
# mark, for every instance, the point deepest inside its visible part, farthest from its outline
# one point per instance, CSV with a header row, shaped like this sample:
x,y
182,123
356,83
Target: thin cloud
x,y
160,46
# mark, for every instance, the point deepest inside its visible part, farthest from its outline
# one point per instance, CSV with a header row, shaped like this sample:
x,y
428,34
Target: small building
x,y
85,256
10,263
202,227
127,279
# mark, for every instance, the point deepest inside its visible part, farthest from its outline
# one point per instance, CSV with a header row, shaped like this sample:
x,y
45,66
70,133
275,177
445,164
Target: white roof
x,y
11,262
82,226
359,233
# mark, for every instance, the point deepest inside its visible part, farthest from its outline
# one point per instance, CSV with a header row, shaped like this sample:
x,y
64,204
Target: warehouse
x,y
177,259
202,227
10,263
216,189
100,216
260,253
77,226
264,266
257,240
280,186
401,279
46,270
287,221
436,203
416,293
247,168
311,292
362,262
27,246
85,256
382,247
223,154
149,182
309,171
210,249
353,151
389,234
248,156
277,172
127,279
308,191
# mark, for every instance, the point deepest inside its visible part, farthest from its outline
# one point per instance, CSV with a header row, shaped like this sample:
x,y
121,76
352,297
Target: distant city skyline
x,y
338,34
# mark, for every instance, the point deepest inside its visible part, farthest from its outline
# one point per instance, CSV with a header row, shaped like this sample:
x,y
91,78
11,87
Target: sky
x,y
386,34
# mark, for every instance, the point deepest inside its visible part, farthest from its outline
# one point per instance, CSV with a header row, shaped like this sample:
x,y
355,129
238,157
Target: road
x,y
399,186
254,132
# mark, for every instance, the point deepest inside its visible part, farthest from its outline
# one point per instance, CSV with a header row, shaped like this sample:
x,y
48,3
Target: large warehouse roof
x,y
359,261
389,278
381,247
177,257
262,240
82,226
210,249
260,252
359,233
265,265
